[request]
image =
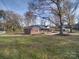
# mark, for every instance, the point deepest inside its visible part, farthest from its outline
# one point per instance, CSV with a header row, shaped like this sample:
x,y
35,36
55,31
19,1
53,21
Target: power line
x,y
5,5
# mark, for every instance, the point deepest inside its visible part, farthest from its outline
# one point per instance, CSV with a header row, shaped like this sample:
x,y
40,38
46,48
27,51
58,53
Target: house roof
x,y
37,26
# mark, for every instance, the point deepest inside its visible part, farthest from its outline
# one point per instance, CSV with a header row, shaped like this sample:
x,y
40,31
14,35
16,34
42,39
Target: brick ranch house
x,y
36,29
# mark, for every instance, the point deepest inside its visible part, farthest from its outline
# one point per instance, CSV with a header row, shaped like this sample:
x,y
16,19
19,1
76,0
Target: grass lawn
x,y
39,47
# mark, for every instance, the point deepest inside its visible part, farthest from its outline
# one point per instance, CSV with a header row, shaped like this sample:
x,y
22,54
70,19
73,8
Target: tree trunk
x,y
60,17
71,29
61,24
70,26
61,27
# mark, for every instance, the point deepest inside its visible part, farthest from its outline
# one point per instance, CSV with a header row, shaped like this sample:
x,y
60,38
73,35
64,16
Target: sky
x,y
19,6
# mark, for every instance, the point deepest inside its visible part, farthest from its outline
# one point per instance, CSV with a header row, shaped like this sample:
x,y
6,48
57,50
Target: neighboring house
x,y
36,29
32,30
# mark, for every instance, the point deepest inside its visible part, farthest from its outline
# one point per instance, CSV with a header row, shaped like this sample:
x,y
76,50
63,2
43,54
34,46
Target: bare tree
x,y
59,12
40,6
70,9
2,17
2,14
55,7
11,20
30,17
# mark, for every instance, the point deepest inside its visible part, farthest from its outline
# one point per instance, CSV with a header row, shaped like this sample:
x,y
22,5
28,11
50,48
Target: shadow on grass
x,y
62,34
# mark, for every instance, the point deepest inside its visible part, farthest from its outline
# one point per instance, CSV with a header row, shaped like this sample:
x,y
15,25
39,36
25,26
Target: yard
x,y
39,47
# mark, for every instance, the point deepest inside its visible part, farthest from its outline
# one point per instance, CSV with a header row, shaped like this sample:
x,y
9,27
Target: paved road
x,y
74,33
12,35
29,35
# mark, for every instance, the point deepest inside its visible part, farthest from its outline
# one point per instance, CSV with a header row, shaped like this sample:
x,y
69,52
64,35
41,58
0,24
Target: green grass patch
x,y
39,47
